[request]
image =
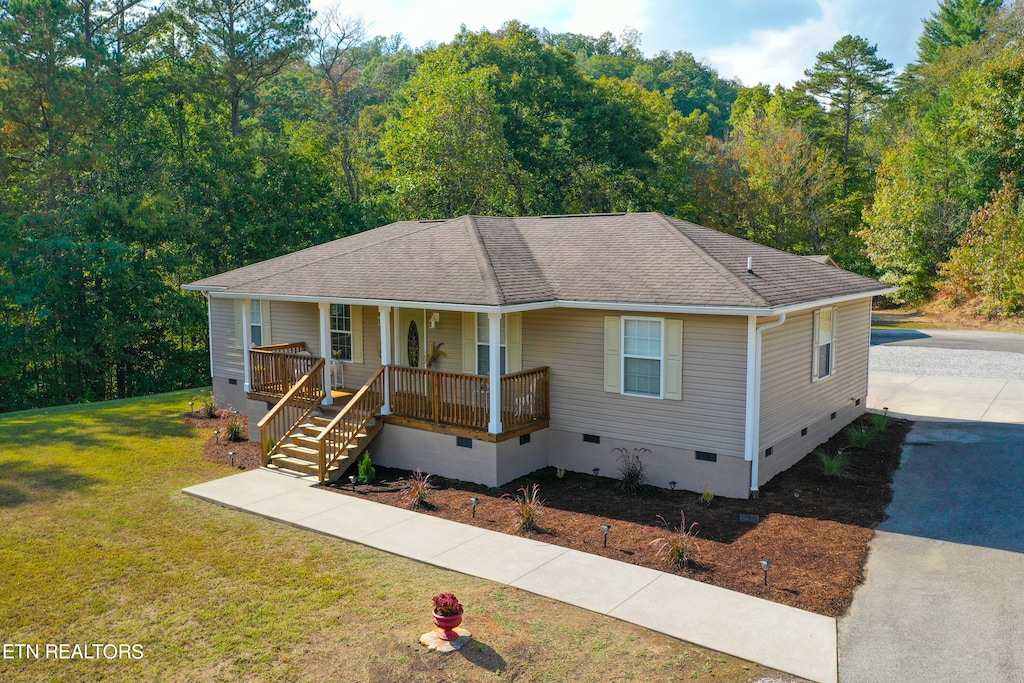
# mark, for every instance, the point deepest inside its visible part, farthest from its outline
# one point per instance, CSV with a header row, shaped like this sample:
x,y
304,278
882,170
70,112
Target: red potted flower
x,y
447,615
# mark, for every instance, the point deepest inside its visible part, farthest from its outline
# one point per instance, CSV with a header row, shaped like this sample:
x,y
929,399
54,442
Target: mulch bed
x,y
218,447
816,543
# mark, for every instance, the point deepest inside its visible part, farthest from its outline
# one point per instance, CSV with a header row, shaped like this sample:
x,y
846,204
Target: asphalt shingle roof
x,y
640,258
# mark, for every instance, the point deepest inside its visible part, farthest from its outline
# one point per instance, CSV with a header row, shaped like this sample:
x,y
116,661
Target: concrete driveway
x,y
948,375
942,597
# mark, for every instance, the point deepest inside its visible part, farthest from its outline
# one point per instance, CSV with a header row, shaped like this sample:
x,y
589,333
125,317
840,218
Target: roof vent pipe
x,y
750,265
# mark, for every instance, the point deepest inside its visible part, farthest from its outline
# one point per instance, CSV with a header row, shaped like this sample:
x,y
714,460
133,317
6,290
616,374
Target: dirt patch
x,y
816,541
217,448
938,314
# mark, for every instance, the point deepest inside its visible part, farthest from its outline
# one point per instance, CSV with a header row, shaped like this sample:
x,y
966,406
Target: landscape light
x,y
232,454
191,406
216,433
796,493
596,470
606,528
672,486
352,480
764,567
474,501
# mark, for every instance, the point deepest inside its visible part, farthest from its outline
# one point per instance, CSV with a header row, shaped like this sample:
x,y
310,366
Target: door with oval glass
x,y
411,338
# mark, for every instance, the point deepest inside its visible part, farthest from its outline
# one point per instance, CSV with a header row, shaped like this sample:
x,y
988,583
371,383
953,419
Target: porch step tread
x,y
297,465
292,449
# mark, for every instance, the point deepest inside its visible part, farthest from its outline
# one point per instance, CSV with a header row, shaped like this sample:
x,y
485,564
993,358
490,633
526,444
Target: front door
x,y
411,337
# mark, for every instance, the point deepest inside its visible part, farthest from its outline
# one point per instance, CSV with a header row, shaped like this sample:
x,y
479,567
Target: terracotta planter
x,y
447,625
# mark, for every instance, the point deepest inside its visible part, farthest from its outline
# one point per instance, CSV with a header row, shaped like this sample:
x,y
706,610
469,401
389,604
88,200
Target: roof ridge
x,y
483,259
707,258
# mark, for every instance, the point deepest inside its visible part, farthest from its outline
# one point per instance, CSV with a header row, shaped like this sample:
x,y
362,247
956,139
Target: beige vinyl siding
x,y
448,332
790,401
295,321
710,415
226,354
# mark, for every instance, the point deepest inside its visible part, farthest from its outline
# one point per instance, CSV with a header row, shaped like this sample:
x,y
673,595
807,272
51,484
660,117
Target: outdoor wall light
x,y
764,567
671,486
435,318
597,470
606,528
474,501
232,454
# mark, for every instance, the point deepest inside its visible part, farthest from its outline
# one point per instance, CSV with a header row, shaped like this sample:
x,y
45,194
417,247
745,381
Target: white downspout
x,y
753,444
385,355
325,349
246,343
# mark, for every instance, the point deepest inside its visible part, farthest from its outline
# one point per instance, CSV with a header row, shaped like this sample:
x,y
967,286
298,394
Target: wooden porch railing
x,y
464,400
304,396
525,397
345,428
275,369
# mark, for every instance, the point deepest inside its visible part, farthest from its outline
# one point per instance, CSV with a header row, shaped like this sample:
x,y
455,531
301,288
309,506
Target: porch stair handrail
x,y
345,429
301,400
273,368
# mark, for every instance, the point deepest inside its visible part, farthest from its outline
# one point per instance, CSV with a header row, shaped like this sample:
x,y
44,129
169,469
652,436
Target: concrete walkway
x,y
781,637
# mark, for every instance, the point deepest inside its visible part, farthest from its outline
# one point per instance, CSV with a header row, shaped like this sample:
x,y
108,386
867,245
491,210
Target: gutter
x,y
752,422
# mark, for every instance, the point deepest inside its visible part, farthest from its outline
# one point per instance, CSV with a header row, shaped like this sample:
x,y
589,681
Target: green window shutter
x,y
514,341
357,333
238,323
674,360
469,343
265,316
613,353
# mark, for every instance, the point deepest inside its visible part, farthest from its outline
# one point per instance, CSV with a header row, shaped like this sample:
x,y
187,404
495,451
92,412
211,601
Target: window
x,y
824,343
483,347
256,322
641,356
341,332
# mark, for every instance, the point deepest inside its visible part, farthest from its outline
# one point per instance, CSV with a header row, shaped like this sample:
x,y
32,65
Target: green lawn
x,y
99,545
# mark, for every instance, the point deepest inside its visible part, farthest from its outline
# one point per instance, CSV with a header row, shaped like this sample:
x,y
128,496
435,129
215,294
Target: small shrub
x,y
633,479
527,509
234,429
833,464
680,545
860,437
880,422
207,405
366,472
559,472
415,495
446,605
707,494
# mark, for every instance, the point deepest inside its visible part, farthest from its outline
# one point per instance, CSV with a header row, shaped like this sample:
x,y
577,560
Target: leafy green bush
x,y
366,472
707,494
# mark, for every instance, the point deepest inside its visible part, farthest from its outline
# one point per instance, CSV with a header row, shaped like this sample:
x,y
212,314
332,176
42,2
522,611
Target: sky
x,y
756,41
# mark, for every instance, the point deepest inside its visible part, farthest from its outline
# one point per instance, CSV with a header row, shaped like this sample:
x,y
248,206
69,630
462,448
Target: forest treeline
x,y
144,145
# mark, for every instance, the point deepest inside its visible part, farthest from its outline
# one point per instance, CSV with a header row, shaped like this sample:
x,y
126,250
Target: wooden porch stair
x,y
299,449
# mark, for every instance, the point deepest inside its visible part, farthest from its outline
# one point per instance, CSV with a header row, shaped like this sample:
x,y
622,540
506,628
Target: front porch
x,y
444,402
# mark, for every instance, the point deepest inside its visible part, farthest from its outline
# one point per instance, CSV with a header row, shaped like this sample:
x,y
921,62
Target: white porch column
x,y
385,354
494,346
325,348
246,343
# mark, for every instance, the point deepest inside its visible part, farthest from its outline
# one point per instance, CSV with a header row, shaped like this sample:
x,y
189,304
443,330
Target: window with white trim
x,y
824,343
255,322
642,356
341,332
483,345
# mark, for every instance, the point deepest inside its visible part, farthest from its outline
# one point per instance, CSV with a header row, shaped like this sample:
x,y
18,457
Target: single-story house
x,y
484,348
